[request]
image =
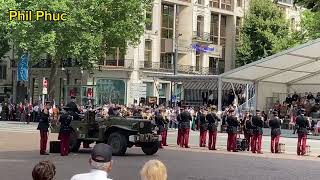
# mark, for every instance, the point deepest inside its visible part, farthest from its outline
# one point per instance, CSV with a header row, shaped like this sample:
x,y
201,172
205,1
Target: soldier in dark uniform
x,y
74,110
303,125
248,129
185,128
232,129
212,119
275,124
161,125
43,126
203,126
65,130
257,123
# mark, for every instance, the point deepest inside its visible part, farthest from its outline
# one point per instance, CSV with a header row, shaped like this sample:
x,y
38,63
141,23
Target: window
x,y
198,56
290,2
223,26
166,60
149,89
238,27
221,66
201,2
114,58
214,28
148,53
293,23
226,4
199,26
3,71
149,20
239,3
214,3
167,21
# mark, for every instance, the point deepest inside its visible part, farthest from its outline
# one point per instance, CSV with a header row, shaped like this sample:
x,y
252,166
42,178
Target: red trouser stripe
x,y
43,141
275,144
212,139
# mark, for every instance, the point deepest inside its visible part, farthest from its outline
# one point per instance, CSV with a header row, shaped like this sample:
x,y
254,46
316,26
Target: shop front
x,y
111,91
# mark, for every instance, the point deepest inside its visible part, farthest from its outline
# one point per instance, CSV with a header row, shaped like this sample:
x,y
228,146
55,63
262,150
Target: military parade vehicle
x,y
119,132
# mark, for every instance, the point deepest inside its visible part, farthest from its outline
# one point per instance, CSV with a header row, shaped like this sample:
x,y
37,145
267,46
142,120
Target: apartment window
x,y
166,60
167,21
201,2
238,27
290,2
212,65
114,58
198,57
223,25
214,3
199,26
149,20
239,3
221,66
3,71
148,54
226,4
214,28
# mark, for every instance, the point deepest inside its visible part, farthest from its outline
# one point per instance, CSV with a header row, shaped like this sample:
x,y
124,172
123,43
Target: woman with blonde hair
x,y
154,170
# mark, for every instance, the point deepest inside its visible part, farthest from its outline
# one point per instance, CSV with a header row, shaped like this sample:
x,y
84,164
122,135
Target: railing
x,y
126,64
156,66
184,69
201,36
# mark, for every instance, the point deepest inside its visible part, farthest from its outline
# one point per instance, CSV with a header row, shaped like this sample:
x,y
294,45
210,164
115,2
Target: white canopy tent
x,y
296,69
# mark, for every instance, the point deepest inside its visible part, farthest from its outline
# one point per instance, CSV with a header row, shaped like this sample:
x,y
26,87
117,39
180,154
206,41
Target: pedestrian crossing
x,y
11,126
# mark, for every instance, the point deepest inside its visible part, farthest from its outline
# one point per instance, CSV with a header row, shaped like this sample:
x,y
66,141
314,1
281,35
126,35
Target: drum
x,y
282,148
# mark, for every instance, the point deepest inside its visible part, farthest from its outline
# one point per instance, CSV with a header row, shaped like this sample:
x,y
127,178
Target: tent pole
x,y
247,96
256,86
219,94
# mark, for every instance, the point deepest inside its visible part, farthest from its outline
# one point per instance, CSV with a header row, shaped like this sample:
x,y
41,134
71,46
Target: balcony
x,y
201,36
116,64
186,69
156,66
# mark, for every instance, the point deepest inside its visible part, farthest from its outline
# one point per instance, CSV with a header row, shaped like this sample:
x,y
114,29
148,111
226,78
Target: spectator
x,y
154,170
44,170
101,164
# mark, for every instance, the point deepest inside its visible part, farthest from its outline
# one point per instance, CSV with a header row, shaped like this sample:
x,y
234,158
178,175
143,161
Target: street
x,y
19,153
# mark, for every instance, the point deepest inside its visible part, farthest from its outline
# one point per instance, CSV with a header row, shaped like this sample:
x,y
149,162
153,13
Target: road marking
x,y
12,160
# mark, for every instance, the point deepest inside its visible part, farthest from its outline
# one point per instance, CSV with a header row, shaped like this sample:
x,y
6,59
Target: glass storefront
x,y
109,90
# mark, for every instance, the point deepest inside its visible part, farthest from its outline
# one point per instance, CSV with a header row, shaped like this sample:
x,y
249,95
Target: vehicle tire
x,y
150,148
74,142
119,143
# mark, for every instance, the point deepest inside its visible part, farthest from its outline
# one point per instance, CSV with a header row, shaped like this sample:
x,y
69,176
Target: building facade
x,y
203,33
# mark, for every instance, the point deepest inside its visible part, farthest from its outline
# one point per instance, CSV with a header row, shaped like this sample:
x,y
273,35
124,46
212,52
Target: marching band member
x,y
212,119
275,124
232,129
258,123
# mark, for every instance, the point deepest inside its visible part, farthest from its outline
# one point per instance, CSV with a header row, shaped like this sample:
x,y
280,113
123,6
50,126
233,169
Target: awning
x,y
296,66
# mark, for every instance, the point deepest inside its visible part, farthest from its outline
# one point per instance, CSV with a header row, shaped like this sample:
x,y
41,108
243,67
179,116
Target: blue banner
x,y
202,48
22,69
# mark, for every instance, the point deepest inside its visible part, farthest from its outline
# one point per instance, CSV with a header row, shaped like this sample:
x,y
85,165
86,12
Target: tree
x,y
265,32
313,5
91,28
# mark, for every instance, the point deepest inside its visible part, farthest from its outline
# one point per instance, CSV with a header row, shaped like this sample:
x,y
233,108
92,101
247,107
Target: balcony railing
x,y
184,69
201,36
156,66
121,64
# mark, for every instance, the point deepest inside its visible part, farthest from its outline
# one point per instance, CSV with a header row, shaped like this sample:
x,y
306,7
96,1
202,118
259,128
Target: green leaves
x,y
91,27
265,32
313,5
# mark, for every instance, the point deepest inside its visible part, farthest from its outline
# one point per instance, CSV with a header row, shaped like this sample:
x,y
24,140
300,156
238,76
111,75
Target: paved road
x,y
19,153
194,138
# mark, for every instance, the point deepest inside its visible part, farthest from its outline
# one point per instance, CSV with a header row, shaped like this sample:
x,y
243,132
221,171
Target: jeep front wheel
x,y
119,143
150,148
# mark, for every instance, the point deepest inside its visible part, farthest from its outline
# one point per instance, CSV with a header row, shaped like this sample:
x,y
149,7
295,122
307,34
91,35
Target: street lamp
x,y
175,67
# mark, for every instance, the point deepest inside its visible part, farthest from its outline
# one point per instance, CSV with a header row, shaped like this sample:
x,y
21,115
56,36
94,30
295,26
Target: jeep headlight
x,y
141,125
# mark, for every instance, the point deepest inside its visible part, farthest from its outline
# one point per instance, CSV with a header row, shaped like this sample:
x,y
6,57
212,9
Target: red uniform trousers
x,y
231,143
302,143
163,138
248,137
203,138
275,144
64,143
43,141
212,140
256,143
185,137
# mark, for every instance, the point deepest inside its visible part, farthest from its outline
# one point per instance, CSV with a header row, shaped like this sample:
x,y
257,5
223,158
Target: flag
x,y
23,68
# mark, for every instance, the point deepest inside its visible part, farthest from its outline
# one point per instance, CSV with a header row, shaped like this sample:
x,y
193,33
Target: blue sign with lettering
x,y
202,48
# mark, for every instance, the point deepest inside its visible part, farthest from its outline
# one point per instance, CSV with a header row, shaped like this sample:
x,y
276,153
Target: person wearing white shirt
x,y
101,164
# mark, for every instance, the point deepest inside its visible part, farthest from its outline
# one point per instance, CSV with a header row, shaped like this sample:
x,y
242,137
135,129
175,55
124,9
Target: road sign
x,y
44,86
45,90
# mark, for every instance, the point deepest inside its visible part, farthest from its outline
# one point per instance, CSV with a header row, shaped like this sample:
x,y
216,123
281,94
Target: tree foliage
x,y
313,5
265,32
91,28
